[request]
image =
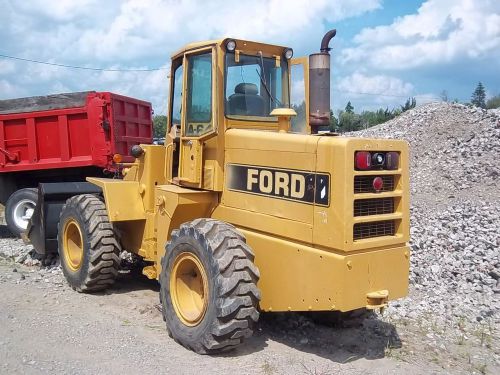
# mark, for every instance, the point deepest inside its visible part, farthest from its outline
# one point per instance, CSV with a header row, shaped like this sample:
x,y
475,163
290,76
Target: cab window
x,y
255,86
176,114
199,95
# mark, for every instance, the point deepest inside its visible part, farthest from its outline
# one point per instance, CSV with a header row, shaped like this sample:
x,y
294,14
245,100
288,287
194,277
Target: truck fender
x,y
42,228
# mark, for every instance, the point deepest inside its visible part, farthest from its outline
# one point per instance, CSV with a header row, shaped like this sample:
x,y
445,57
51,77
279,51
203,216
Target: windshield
x,y
255,86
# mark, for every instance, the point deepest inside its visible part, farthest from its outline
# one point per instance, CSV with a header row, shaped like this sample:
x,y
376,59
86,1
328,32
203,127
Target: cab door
x,y
299,94
199,114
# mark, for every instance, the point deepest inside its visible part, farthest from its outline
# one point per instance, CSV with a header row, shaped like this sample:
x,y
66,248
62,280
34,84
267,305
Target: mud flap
x,y
42,228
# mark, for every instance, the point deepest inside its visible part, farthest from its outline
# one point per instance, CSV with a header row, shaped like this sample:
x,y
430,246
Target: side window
x,y
177,97
199,95
298,99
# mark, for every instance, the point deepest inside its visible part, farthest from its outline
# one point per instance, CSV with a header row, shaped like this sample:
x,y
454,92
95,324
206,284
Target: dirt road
x,y
47,327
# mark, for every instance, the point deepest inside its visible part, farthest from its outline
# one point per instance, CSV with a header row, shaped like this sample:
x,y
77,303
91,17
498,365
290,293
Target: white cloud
x,y
370,92
155,25
7,67
60,10
440,32
143,34
8,90
359,84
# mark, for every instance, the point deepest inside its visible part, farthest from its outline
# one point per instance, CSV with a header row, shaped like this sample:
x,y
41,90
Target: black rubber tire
x,y
18,196
101,249
232,277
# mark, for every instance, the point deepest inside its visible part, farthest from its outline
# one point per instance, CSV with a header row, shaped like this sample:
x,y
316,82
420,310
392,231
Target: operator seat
x,y
246,101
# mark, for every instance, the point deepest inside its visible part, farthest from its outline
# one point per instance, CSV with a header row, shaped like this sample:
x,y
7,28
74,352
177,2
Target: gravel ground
x,y
448,324
45,327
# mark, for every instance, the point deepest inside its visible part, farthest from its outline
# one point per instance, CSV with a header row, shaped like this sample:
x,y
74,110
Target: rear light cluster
x,y
365,160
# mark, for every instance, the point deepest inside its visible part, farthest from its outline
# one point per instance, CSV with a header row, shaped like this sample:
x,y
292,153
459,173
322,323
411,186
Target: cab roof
x,y
196,45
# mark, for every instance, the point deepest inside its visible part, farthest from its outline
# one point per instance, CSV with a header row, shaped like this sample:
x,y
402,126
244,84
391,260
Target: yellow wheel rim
x,y
73,245
189,289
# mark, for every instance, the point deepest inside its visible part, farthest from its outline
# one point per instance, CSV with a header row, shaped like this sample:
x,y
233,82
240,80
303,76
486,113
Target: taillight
x,y
362,160
378,184
392,160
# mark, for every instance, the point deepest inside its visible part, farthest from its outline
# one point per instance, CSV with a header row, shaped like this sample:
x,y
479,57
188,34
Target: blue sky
x,y
384,51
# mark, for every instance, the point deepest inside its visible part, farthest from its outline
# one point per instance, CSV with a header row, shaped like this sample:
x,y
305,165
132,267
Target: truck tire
x,y
19,209
208,287
88,246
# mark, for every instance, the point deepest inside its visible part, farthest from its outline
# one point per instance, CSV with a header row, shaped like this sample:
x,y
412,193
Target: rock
x,y
494,274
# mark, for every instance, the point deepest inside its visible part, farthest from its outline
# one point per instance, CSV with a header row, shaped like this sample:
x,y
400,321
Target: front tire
x,y
209,288
19,209
88,248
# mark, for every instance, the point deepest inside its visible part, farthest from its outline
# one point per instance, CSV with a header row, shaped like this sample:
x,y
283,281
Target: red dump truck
x,y
64,138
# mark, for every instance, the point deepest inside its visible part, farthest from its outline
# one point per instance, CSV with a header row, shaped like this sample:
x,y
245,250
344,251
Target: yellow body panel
x,y
297,277
116,193
176,205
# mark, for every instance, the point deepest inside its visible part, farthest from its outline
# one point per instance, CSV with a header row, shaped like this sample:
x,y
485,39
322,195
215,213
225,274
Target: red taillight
x,y
392,160
378,183
363,160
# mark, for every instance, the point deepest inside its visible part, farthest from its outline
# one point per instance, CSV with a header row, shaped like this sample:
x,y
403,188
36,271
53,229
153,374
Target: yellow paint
x,y
116,193
298,277
189,289
72,245
283,115
177,205
308,257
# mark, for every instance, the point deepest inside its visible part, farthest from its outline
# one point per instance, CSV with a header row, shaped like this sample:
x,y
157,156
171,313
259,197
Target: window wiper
x,y
263,80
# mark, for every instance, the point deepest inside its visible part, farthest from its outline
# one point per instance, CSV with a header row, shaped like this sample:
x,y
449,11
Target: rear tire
x,y
88,248
19,209
209,288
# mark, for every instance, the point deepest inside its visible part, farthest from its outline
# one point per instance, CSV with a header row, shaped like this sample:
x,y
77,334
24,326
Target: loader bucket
x,y
42,228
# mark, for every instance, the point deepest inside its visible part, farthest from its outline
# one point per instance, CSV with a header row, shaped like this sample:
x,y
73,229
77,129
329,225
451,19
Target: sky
x,y
384,51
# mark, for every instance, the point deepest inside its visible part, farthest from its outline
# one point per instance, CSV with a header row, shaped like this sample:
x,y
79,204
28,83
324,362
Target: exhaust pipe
x,y
319,85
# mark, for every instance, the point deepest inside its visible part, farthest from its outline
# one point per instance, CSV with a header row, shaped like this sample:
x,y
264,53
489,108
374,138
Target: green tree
x,y
479,96
349,108
334,123
493,102
159,126
410,103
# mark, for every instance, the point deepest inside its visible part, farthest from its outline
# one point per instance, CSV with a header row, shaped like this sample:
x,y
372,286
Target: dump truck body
x,y
71,130
65,138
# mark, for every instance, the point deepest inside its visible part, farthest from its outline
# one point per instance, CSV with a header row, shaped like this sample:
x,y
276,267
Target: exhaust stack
x,y
319,84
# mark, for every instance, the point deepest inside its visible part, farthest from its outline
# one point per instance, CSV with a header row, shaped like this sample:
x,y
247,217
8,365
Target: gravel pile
x,y
454,151
455,214
15,249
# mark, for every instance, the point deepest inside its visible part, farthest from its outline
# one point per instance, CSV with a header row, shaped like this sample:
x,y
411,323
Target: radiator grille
x,y
365,207
363,184
374,229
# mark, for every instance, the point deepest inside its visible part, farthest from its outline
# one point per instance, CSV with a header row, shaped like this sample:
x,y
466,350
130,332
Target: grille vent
x,y
363,184
365,207
374,229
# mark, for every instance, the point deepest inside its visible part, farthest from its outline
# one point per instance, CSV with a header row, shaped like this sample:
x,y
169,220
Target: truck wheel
x,y
209,288
88,247
19,209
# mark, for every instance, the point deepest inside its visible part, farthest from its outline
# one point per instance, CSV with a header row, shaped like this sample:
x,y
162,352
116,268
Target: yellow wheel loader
x,y
249,207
